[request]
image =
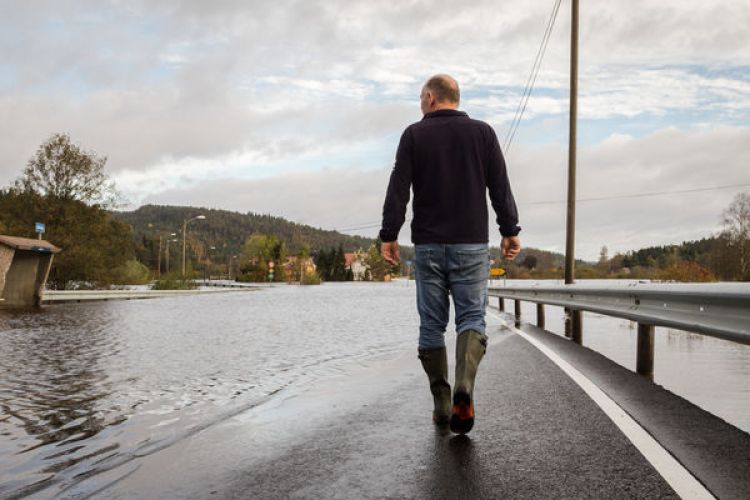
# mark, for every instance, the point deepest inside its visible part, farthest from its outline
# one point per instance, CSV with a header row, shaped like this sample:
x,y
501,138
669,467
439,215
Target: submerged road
x,y
537,435
367,433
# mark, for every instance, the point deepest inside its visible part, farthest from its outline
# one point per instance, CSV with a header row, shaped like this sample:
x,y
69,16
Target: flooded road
x,y
87,388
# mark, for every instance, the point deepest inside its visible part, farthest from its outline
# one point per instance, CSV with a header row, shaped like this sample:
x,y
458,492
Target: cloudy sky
x,y
294,108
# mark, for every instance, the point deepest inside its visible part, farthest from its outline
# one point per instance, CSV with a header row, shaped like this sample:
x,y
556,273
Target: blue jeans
x,y
461,269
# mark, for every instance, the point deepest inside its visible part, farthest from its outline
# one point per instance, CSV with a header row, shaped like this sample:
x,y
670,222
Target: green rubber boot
x,y
470,348
435,364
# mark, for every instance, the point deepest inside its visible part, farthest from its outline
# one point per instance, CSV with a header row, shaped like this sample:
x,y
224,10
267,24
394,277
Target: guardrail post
x,y
644,363
540,315
501,304
568,322
577,331
518,312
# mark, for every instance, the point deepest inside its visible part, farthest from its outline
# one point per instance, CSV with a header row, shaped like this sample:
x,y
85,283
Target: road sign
x,y
39,227
497,271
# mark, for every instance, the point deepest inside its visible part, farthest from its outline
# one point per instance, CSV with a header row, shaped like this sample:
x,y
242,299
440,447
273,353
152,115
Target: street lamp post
x,y
173,240
207,270
184,234
158,254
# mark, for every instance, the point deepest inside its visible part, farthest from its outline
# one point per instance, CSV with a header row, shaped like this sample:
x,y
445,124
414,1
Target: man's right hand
x,y
510,245
389,251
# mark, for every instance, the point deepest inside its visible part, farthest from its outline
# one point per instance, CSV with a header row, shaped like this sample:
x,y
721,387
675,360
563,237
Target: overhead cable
x,y
524,101
371,225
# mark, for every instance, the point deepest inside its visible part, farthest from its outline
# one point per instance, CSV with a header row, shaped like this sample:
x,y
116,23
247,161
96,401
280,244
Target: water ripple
x,y
86,388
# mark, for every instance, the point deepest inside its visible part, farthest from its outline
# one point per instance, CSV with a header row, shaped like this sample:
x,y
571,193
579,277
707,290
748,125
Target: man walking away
x,y
450,161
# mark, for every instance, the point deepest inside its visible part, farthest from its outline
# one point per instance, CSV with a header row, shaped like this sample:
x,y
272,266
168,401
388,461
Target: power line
x,y
364,225
524,101
640,195
532,77
375,224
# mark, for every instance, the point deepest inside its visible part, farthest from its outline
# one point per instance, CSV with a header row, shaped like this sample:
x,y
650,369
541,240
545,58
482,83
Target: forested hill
x,y
227,231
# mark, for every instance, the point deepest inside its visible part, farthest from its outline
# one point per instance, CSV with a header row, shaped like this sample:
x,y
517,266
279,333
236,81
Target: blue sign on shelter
x,y
39,227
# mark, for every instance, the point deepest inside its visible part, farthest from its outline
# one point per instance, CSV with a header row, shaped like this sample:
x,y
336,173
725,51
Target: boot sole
x,y
462,419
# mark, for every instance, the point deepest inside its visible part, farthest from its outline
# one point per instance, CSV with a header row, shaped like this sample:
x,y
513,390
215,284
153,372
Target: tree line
x,y
724,257
65,187
265,258
223,233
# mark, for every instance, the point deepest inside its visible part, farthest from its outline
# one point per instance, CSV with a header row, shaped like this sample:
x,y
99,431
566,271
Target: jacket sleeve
x,y
498,186
397,196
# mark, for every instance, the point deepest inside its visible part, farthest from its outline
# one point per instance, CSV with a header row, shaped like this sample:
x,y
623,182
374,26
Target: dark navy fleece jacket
x,y
451,161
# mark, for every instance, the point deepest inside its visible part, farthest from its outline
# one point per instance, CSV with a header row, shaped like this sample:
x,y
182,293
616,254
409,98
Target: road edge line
x,y
682,481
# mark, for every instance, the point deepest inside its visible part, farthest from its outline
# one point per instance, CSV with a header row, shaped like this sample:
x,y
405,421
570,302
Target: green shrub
x,y
131,273
310,278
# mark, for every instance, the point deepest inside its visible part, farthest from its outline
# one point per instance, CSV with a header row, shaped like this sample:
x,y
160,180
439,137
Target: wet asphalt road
x,y
537,435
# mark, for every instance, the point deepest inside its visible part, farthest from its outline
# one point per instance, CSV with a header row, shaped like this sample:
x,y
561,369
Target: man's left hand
x,y
389,251
510,246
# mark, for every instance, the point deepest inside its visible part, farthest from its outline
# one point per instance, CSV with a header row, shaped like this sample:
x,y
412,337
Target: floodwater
x,y
89,388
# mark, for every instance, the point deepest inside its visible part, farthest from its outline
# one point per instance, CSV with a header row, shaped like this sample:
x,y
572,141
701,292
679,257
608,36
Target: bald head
x,y
440,92
444,88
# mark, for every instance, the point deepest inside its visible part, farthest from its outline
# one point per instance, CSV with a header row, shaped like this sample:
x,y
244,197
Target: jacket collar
x,y
444,112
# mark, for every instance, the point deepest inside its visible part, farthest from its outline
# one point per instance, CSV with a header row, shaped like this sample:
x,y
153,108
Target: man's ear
x,y
431,99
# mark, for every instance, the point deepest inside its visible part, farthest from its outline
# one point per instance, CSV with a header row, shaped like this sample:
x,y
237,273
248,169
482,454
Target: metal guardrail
x,y
717,310
229,284
59,296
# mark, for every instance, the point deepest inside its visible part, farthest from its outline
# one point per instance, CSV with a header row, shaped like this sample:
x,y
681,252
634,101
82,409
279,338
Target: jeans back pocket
x,y
474,264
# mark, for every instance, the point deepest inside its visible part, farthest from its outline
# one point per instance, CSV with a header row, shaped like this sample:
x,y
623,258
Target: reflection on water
x,y
54,379
88,387
85,388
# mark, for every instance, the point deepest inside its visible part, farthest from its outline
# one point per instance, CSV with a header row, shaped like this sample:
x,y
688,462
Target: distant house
x,y
356,262
294,266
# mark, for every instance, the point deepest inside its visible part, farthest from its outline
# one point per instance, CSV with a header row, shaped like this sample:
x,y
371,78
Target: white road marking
x,y
673,472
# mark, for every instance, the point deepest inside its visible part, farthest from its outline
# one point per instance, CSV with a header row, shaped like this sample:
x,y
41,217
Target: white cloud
x,y
669,160
197,102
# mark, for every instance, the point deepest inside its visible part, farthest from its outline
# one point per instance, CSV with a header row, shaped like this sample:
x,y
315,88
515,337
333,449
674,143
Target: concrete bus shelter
x,y
24,267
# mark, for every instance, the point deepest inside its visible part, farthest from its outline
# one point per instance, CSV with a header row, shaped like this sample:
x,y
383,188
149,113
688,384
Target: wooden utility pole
x,y
573,317
572,139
